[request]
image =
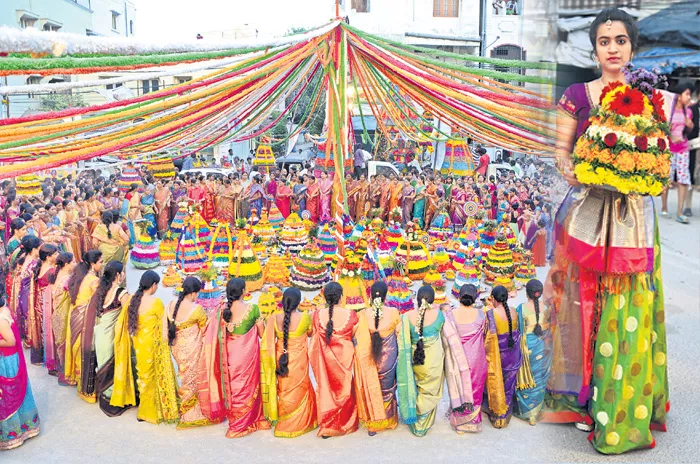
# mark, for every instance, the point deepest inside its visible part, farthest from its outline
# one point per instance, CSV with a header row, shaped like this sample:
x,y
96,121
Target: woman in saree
x,y
528,229
19,418
209,205
465,361
420,371
362,197
256,194
606,274
12,212
111,239
148,211
408,197
81,287
73,228
225,203
289,400
186,323
395,193
419,203
384,196
432,200
313,198
18,229
41,340
299,188
104,309
325,186
351,189
536,347
23,287
232,347
503,356
284,198
332,355
57,325
271,191
142,327
459,199
93,209
163,197
376,356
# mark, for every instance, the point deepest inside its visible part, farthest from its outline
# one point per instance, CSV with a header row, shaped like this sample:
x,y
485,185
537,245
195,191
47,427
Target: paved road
x,y
73,431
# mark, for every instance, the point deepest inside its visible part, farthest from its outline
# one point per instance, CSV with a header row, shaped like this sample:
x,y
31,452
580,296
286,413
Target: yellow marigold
x,y
625,161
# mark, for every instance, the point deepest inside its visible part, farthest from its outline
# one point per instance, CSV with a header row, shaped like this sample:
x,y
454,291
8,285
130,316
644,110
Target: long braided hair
x,y
189,286
45,252
534,289
500,294
109,275
235,288
107,220
28,244
378,294
333,292
148,280
80,271
62,260
290,302
425,297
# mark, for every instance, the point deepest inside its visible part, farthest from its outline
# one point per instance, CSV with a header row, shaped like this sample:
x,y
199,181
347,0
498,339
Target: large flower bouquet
x,y
625,143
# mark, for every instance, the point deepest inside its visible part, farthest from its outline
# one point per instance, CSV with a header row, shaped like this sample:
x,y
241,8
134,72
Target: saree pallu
x,y
44,302
375,383
504,364
225,209
289,403
537,355
104,353
187,351
155,374
59,324
420,386
23,288
462,412
335,391
609,363
74,368
19,418
109,252
419,207
240,360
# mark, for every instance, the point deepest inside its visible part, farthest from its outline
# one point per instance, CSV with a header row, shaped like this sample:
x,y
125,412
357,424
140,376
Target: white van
x,y
497,170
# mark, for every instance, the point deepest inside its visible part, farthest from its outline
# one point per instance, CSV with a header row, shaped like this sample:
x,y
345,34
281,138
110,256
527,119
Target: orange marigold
x,y
662,167
625,161
605,156
644,161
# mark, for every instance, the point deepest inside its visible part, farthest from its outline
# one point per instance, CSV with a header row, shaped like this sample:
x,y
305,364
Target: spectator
x,y
484,161
189,162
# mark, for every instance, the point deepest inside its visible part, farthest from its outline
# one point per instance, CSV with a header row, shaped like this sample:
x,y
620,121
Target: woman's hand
x,y
566,168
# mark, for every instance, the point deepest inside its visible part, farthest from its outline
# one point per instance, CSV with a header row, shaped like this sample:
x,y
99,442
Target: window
x,y
446,8
114,20
51,27
151,85
131,26
25,22
360,6
597,4
510,52
33,80
182,79
113,86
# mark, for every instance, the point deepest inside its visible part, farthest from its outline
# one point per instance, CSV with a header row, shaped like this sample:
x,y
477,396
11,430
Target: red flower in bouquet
x,y
610,139
641,142
661,143
657,101
586,125
611,86
628,102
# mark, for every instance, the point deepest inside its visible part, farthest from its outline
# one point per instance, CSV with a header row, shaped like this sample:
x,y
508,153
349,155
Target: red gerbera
x,y
610,139
608,88
661,143
628,102
586,125
641,143
657,101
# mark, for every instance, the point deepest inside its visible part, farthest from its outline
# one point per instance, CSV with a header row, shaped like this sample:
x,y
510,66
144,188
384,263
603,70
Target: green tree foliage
x,y
61,101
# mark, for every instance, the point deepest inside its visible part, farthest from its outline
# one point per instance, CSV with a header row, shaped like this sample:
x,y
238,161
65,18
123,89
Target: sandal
x,y
664,214
682,219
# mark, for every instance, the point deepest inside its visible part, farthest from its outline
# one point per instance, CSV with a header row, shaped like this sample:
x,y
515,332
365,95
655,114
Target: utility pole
x,y
7,101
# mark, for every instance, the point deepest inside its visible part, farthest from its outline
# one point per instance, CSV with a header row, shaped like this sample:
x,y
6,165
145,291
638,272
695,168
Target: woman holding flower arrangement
x,y
604,287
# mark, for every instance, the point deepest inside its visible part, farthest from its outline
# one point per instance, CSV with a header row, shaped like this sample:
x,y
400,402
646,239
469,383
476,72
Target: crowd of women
x,y
179,365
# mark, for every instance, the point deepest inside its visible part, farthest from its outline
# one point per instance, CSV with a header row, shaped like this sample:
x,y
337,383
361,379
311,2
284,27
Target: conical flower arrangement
x,y
458,159
440,295
167,249
394,234
467,274
498,265
293,235
28,185
221,247
162,168
245,264
487,236
177,226
195,221
385,257
327,243
525,271
309,271
442,260
190,255
275,217
441,226
211,294
416,255
370,269
253,219
460,256
171,278
275,271
267,302
129,176
354,291
398,296
144,255
264,229
264,157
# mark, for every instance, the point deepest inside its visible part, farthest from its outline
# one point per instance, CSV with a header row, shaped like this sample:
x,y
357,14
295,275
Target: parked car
x,y
500,169
216,172
297,159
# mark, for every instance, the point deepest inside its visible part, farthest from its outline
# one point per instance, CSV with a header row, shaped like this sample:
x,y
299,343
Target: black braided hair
x,y
425,294
290,302
63,259
333,292
112,270
379,290
235,288
107,220
500,294
148,280
468,294
534,289
80,271
28,244
45,251
189,286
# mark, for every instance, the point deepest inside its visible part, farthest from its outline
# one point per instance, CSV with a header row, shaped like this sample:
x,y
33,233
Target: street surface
x,y
74,431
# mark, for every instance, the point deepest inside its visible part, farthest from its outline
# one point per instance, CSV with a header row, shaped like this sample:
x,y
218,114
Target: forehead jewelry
x,y
608,23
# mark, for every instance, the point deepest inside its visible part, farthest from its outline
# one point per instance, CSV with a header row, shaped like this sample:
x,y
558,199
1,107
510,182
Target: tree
x,y
278,132
61,101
